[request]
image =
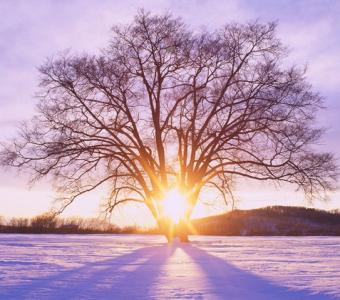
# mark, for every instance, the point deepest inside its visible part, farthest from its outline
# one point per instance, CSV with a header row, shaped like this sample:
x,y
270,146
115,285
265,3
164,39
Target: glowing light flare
x,y
174,205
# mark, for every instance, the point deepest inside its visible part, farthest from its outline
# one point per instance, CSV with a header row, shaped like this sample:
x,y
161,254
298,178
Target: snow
x,y
146,267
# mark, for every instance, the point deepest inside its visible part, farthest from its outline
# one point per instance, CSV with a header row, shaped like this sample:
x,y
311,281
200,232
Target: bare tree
x,y
164,107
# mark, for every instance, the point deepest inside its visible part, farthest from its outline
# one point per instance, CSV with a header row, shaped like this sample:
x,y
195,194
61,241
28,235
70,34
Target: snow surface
x,y
146,267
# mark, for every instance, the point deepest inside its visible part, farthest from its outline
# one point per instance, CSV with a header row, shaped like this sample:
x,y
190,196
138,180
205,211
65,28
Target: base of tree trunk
x,y
184,238
173,231
182,231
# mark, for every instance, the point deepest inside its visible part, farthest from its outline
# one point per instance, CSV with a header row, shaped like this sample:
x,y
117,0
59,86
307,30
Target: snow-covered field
x,y
145,267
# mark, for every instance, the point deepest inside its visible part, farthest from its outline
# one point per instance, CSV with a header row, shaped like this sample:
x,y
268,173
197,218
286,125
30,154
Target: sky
x,y
32,30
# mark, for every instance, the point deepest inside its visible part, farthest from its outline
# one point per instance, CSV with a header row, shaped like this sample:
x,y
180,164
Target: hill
x,y
272,220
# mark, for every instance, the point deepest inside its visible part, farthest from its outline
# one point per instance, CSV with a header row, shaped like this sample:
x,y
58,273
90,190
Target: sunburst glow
x,y
174,205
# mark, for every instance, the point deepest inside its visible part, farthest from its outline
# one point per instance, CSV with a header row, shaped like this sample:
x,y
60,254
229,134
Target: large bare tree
x,y
164,107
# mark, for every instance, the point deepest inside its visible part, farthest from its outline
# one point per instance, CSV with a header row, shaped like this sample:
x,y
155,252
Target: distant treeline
x,y
48,224
272,220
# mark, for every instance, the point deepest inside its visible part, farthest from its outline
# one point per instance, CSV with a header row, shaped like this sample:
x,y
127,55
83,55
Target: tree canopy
x,y
165,106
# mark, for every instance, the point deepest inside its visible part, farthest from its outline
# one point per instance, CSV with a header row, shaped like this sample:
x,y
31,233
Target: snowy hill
x,y
272,220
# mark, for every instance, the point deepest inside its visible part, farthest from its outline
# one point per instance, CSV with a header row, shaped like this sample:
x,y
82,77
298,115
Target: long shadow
x,y
229,282
130,276
135,275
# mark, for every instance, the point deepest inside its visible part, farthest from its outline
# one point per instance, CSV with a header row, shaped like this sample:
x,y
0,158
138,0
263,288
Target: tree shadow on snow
x,y
133,276
229,282
128,276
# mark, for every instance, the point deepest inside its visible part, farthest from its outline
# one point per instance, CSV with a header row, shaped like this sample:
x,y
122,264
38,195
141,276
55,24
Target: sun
x,y
174,205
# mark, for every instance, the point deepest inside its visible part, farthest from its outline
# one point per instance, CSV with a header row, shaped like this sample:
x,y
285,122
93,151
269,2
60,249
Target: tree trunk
x,y
182,231
166,228
171,230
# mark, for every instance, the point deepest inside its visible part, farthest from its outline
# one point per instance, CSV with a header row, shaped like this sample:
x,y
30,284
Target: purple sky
x,y
31,31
